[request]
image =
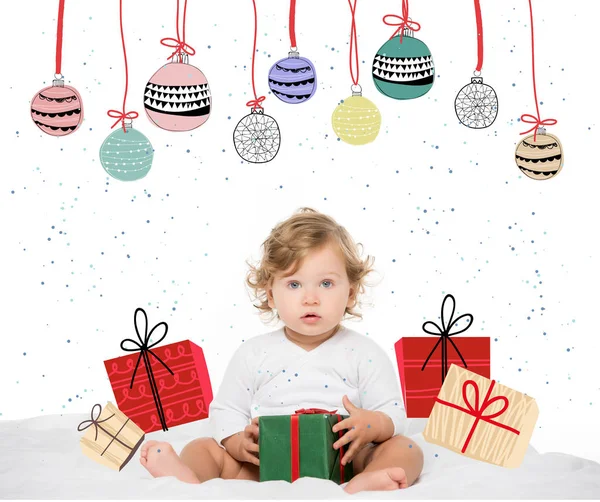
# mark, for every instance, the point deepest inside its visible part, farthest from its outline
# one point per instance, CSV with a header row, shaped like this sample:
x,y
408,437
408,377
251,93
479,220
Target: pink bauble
x,y
57,110
177,97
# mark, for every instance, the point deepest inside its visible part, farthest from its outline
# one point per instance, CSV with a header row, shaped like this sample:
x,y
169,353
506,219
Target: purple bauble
x,y
293,79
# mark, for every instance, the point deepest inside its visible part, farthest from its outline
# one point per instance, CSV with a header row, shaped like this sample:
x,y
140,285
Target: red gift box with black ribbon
x,y
423,364
160,387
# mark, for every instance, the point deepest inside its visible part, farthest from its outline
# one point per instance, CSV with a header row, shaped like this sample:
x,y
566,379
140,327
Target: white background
x,y
442,208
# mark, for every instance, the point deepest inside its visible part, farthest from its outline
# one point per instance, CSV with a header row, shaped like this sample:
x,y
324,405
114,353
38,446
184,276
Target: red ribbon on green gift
x,y
295,438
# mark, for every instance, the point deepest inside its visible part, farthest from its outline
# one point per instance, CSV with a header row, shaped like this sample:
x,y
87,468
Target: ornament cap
x,y
541,130
356,90
293,52
181,57
58,82
476,80
258,110
408,32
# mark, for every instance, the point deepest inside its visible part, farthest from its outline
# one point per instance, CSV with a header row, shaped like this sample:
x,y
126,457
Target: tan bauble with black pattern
x,y
541,159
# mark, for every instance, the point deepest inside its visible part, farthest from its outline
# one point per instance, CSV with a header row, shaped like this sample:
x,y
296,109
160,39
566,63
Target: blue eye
x,y
291,285
328,282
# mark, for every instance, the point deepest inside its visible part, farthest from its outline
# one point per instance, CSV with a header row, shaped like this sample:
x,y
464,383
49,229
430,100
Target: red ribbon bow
x,y
121,116
313,411
405,21
256,103
478,411
179,45
530,119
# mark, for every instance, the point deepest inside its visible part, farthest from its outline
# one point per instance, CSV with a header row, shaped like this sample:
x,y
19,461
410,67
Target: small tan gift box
x,y
111,438
481,419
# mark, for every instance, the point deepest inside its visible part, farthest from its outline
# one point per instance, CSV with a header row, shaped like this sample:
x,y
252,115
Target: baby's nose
x,y
311,299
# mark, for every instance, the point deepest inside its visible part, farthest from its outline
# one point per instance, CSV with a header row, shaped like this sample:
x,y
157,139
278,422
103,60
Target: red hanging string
x,y
479,36
179,43
527,118
59,36
256,102
121,116
404,21
353,44
293,23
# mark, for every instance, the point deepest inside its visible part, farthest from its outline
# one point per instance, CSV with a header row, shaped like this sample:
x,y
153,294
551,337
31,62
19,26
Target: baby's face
x,y
320,287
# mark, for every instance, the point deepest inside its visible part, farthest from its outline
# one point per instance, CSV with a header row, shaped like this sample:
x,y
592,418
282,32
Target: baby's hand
x,y
362,428
248,451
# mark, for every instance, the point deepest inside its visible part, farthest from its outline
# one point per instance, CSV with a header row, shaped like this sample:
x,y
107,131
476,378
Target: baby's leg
x,y
200,460
208,460
395,463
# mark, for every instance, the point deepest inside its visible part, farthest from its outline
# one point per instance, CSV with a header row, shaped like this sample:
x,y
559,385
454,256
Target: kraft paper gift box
x,y
423,362
301,445
482,419
160,387
110,438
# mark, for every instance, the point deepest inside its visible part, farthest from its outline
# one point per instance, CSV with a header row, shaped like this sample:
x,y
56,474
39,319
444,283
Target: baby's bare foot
x,y
161,460
391,478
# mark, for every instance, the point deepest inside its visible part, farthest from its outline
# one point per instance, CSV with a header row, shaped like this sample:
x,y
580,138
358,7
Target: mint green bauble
x,y
403,70
126,155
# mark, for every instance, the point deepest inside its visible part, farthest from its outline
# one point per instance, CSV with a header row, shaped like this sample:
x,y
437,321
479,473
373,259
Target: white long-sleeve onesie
x,y
270,375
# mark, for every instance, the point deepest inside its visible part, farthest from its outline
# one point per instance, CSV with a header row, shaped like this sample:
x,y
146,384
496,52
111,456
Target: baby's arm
x,y
380,392
229,411
244,445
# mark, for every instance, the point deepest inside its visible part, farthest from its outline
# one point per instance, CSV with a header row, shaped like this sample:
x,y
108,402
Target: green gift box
x,y
301,445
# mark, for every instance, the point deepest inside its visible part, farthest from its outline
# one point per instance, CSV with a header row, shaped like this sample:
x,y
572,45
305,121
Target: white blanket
x,y
41,458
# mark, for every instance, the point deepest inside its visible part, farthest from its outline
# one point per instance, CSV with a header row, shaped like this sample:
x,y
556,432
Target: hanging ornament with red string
x,y
126,153
403,66
293,79
540,155
177,96
476,104
256,137
58,110
356,120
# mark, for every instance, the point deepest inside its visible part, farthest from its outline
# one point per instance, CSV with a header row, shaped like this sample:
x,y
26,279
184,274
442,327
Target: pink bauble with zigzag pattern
x,y
177,97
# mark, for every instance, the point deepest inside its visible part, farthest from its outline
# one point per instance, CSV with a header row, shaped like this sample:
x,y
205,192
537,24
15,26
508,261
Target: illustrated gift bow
x,y
477,411
294,434
444,334
96,423
144,350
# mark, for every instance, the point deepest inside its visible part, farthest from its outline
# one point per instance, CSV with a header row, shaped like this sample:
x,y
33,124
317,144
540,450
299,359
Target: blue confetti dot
x,y
158,450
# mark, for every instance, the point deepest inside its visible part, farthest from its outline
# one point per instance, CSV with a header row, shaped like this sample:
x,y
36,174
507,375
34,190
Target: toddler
x,y
310,277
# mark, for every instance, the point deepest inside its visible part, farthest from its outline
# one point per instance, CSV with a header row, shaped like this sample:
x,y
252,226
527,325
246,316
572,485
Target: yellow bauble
x,y
541,159
356,120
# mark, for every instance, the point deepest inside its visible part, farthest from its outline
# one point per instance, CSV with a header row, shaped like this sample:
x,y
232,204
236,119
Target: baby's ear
x,y
352,297
270,299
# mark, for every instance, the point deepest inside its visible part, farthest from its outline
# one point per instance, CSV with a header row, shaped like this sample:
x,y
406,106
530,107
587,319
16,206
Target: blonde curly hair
x,y
290,242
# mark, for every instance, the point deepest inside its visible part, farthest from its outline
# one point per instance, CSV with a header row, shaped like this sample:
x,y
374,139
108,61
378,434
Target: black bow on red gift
x,y
444,333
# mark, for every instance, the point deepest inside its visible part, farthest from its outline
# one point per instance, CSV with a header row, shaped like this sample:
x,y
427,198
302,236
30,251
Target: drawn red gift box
x,y
423,365
160,387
